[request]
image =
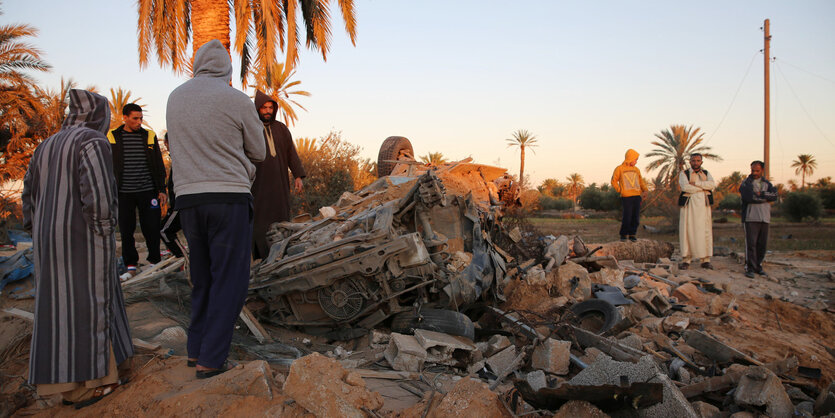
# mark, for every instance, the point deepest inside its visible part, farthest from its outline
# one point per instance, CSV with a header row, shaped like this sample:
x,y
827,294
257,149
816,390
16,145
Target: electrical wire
x,y
733,100
806,71
815,124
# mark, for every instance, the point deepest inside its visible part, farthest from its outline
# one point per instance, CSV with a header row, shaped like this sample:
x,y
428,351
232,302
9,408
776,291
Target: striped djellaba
x,y
70,205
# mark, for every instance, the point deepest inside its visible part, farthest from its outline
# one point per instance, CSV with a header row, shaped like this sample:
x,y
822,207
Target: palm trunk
x,y
210,20
803,180
522,169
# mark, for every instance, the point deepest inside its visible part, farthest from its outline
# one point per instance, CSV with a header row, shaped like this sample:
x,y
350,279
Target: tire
x,y
595,315
389,151
439,320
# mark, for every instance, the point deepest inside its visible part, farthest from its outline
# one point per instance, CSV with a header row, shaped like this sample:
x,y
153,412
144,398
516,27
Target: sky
x,y
589,79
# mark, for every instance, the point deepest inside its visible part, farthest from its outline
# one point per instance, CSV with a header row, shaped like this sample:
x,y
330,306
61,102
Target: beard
x,y
265,117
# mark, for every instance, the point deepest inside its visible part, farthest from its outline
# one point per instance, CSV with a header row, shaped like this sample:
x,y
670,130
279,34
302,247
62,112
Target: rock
x,y
652,324
405,353
579,409
715,307
675,323
761,387
631,281
536,380
805,409
500,361
611,277
590,355
690,294
553,356
744,414
659,271
706,410
327,212
378,337
474,367
324,388
470,398
632,341
605,371
721,251
536,276
663,288
495,344
571,276
825,404
795,394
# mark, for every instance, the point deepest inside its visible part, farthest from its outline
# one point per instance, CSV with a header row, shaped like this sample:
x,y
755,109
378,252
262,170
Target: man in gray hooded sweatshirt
x,y
216,136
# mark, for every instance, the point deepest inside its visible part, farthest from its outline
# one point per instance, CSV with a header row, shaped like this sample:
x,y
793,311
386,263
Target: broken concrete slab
x,y
536,380
495,344
552,356
470,397
405,353
675,323
323,387
579,409
429,339
607,371
654,301
502,360
761,387
706,410
715,349
690,294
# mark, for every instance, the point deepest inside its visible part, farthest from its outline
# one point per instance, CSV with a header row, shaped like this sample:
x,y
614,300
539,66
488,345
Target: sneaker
x,y
623,238
707,266
762,273
633,238
749,274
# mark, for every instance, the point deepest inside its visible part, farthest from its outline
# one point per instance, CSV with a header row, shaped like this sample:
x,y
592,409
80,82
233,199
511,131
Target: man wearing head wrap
x,y
271,189
695,225
69,199
216,137
627,181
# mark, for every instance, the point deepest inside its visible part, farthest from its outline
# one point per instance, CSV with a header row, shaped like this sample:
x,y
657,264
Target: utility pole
x,y
766,128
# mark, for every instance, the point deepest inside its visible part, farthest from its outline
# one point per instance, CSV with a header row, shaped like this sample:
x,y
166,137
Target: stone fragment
x,y
663,288
325,389
690,294
761,387
632,341
500,361
470,398
653,300
405,353
611,277
441,347
552,356
715,307
706,410
579,409
571,280
536,276
675,323
605,371
825,404
536,380
743,414
590,355
495,344
660,271
805,409
379,337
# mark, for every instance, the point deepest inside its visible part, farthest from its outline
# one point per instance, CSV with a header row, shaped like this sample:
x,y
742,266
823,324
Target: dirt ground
x,y
790,312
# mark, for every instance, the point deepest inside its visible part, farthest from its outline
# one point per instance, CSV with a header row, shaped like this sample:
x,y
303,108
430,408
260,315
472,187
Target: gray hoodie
x,y
215,133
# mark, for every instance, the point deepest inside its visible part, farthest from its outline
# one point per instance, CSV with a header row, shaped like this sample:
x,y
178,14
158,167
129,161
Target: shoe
x,y
191,363
683,266
707,266
205,374
749,274
623,238
762,273
633,238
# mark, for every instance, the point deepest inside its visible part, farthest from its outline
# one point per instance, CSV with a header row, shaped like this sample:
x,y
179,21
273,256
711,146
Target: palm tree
x,y
17,56
306,146
575,186
522,139
731,183
262,28
674,148
434,158
823,182
119,97
549,187
280,91
792,184
804,165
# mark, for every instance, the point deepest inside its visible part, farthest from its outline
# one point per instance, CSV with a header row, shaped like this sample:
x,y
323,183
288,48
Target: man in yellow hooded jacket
x,y
627,181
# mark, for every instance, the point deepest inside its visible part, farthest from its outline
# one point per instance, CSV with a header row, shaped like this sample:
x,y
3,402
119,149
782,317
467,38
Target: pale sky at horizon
x,y
589,79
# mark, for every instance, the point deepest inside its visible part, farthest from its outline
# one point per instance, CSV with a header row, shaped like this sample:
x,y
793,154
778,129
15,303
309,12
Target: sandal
x,y
99,393
684,266
205,374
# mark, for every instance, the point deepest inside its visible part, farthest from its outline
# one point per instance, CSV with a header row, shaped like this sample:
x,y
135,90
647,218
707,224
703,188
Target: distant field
x,y
783,235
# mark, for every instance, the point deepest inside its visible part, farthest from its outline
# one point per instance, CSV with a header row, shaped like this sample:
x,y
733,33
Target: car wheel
x,y
595,315
389,151
439,320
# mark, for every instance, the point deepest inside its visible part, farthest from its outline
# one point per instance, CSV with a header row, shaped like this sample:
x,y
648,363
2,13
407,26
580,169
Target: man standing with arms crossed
x,y
756,194
140,177
695,224
216,137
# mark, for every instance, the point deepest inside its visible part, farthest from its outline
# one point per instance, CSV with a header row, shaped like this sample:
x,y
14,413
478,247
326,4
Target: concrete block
x,y
429,339
502,360
761,387
495,344
536,380
404,353
653,300
706,410
675,323
552,356
690,294
632,341
605,371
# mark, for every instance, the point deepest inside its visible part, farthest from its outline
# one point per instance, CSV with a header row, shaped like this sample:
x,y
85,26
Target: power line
x,y
806,71
733,100
815,124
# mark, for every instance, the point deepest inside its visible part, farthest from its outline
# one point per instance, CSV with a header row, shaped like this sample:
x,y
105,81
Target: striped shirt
x,y
136,176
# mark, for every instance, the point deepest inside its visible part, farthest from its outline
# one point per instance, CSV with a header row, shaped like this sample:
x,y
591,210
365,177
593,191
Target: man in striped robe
x,y
81,329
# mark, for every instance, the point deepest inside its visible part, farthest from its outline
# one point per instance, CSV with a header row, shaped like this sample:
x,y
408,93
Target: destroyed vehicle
x,y
403,245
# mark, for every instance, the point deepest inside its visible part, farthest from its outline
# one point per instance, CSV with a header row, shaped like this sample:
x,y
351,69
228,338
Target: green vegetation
x,y
800,206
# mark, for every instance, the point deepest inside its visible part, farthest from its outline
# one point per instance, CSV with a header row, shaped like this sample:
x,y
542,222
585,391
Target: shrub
x,y
611,200
827,196
590,198
798,206
554,203
731,201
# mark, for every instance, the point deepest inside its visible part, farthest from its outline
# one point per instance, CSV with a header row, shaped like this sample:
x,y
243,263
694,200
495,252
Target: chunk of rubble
x,y
471,398
611,277
690,294
325,389
495,344
706,410
536,380
579,409
441,348
571,280
502,360
825,404
653,300
761,387
675,323
553,356
605,371
405,353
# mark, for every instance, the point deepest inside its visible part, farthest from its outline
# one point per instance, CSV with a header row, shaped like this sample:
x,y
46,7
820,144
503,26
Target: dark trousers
x,y
168,233
756,239
219,239
149,218
631,215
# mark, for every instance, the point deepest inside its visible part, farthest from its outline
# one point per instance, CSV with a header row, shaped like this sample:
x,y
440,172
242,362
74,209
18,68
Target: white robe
x,y
695,227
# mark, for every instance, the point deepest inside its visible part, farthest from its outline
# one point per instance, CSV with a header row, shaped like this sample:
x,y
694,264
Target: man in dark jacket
x,y
756,194
140,177
271,189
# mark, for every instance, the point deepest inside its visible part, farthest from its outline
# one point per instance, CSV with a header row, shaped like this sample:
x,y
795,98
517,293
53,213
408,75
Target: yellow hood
x,y
631,156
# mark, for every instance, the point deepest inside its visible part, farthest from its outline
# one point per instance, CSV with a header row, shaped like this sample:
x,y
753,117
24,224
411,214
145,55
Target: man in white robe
x,y
695,227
